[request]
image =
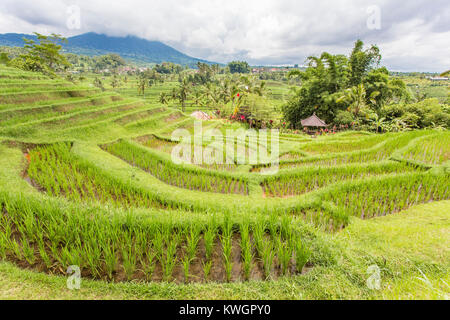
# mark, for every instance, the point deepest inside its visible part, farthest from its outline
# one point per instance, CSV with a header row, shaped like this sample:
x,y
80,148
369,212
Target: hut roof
x,y
200,115
313,121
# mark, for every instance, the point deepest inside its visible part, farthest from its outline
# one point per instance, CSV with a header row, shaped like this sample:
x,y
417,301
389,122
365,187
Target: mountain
x,y
130,48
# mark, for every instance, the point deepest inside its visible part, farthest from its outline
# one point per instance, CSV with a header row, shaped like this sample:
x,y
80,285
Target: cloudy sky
x,y
413,35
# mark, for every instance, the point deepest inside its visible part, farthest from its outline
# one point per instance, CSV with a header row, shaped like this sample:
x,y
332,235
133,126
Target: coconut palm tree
x,y
142,85
246,84
294,73
261,89
197,97
207,92
164,98
225,91
183,92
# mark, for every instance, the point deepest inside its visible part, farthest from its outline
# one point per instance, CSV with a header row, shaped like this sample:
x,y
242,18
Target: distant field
x,y
431,89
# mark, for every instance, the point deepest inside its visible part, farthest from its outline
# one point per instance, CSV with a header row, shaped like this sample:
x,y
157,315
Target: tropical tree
x,y
142,85
379,124
361,61
356,98
294,73
115,82
330,80
261,89
239,67
211,93
164,98
98,83
183,92
4,59
44,55
197,97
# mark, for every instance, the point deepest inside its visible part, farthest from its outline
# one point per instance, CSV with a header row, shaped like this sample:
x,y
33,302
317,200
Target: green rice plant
x,y
306,180
380,152
206,266
60,173
286,229
186,262
226,241
284,255
432,150
149,264
382,196
158,245
110,259
171,259
91,254
302,255
259,231
327,147
3,246
268,256
165,170
246,250
15,249
192,240
44,255
28,251
71,256
129,262
5,236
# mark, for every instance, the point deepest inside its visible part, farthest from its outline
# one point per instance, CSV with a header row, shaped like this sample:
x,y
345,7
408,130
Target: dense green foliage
x,y
239,67
355,91
44,56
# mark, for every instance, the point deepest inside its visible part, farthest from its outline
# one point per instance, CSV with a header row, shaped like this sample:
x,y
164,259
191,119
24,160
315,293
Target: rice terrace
x,y
134,179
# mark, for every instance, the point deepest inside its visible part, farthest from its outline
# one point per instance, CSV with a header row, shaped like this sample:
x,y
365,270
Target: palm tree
x,y
356,98
197,97
294,73
164,98
379,124
261,89
225,91
446,74
209,93
246,84
183,92
142,84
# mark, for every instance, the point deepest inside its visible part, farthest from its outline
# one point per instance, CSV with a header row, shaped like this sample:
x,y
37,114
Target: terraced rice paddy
x,y
433,150
87,179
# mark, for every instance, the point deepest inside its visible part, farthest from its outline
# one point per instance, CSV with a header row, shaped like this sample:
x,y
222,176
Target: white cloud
x,y
414,34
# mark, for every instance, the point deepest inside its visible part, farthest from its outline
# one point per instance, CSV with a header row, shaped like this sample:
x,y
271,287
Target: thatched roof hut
x,y
314,121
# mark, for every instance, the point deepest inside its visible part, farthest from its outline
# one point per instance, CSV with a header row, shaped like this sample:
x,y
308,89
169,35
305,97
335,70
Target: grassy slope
x,y
403,245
